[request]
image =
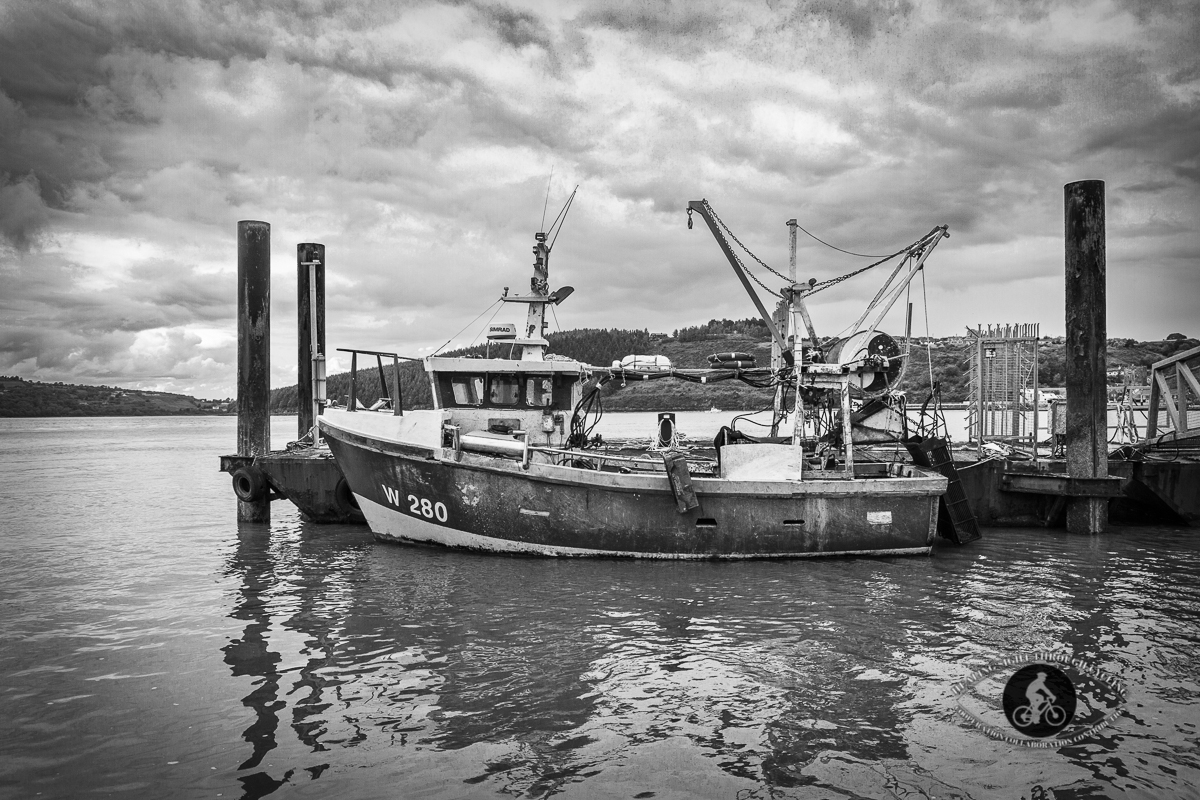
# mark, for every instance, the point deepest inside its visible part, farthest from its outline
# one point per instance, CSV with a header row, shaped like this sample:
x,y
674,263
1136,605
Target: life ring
x,y
249,483
346,502
666,430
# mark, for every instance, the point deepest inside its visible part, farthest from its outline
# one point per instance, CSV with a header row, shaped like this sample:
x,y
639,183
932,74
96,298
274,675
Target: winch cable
x,y
938,416
928,340
907,343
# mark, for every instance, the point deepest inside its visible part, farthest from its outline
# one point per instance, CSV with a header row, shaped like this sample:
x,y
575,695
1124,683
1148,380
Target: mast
x,y
534,344
539,285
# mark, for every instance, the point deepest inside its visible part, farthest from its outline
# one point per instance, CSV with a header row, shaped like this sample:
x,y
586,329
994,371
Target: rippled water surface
x,y
151,648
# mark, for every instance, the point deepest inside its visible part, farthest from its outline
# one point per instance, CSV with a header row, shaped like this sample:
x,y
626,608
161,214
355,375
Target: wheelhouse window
x,y
544,391
468,390
539,391
504,390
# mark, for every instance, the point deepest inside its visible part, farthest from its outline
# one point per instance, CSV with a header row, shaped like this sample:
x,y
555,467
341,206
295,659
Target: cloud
x,y
415,140
23,215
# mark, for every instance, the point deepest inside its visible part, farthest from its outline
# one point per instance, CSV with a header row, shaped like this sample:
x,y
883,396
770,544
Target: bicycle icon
x,y
1051,714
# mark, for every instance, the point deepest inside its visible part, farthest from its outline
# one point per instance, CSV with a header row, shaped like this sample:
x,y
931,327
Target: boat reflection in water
x,y
452,674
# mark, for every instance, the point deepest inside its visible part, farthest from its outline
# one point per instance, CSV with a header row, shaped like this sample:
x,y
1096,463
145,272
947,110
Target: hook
x,y
689,219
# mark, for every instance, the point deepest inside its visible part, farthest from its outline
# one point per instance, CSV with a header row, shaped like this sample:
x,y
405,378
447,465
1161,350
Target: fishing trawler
x,y
506,462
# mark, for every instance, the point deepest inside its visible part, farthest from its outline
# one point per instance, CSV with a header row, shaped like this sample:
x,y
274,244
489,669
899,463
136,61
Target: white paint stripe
x,y
531,513
390,525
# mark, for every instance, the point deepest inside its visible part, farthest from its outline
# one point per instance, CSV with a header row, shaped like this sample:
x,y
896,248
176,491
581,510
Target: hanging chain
x,y
753,277
835,281
764,264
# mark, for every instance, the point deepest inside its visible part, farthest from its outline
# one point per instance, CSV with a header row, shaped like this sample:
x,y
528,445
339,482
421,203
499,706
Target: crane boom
x,y
701,208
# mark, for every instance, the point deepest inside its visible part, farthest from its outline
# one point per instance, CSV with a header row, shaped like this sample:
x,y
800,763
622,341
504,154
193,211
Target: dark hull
x,y
410,493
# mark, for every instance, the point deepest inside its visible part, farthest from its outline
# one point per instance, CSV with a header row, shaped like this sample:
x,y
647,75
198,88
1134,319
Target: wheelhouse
x,y
530,397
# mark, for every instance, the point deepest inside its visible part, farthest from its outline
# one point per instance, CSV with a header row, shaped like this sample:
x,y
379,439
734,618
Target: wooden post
x,y
1085,357
1152,412
306,254
254,353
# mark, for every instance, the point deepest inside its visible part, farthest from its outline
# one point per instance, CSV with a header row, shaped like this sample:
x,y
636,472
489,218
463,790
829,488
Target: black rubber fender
x,y
250,484
717,358
347,504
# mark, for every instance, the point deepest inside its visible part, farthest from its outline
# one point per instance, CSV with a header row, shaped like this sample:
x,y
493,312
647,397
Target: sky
x,y
422,143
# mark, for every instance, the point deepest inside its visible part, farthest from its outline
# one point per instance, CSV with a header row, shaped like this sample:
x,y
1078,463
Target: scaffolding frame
x,y
1003,400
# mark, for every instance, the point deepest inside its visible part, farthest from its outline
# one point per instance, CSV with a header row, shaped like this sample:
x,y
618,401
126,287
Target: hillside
x,y
21,398
687,348
592,346
690,348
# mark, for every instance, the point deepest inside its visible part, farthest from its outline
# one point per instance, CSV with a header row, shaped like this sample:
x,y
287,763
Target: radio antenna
x,y
547,203
561,218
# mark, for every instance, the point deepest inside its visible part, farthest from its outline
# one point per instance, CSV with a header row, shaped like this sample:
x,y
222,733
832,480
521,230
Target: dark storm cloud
x,y
517,28
23,215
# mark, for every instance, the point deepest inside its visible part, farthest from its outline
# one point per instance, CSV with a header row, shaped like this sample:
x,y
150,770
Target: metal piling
x,y
310,258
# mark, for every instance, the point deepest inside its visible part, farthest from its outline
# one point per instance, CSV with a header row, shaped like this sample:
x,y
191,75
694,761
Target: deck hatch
x,y
706,522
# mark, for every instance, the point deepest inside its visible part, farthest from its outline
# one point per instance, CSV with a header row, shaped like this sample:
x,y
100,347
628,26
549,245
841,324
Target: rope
x,y
464,327
840,250
489,322
928,342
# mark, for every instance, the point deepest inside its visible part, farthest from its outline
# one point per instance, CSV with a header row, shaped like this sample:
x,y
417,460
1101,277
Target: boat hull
x,y
413,493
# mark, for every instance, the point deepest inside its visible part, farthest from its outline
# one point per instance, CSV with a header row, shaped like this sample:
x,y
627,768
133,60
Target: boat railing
x,y
520,448
595,458
392,398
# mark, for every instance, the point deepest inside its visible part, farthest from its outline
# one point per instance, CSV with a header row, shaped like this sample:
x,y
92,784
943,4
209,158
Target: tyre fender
x,y
347,504
249,483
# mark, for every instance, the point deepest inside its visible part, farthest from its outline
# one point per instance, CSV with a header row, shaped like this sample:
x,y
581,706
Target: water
x,y
150,648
